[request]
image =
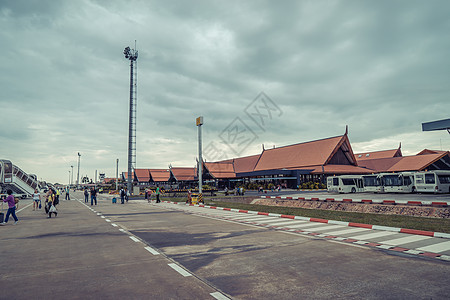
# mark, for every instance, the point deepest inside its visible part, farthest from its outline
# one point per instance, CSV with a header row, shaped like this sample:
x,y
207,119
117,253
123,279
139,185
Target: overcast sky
x,y
310,67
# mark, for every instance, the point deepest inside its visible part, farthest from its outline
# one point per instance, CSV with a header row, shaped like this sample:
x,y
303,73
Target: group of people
x,y
93,193
51,201
149,192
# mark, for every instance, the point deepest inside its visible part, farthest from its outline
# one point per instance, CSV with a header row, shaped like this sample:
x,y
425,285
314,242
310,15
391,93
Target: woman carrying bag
x,y
49,207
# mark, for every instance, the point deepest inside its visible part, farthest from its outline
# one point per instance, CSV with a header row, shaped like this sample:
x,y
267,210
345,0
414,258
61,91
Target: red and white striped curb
x,y
366,201
337,238
351,224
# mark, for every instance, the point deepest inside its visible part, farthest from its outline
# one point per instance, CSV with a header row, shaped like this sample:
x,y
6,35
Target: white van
x,y
437,181
345,184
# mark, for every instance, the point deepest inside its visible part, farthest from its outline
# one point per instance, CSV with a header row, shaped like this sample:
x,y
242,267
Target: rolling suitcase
x,y
2,215
114,200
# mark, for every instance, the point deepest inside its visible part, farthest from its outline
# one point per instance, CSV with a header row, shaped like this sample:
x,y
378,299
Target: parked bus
x,y
437,181
399,182
345,184
373,183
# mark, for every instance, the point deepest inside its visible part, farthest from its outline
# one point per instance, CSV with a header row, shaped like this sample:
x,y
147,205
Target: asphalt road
x,y
86,254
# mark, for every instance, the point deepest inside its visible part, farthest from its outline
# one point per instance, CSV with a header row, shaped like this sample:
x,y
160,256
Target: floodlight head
x,y
130,54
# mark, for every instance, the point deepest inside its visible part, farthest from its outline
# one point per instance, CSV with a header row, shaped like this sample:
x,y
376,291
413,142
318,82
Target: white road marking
x,y
219,296
325,228
103,217
151,250
436,248
122,230
406,240
348,231
113,224
373,235
134,239
107,220
180,270
308,224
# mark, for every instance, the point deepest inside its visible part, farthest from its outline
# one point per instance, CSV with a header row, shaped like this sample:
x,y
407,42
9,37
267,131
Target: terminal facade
x,y
291,166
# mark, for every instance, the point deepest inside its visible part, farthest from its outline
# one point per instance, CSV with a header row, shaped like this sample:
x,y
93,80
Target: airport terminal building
x,y
292,165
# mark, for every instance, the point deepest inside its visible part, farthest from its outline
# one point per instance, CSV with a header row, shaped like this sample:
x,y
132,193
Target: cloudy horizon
x,y
380,67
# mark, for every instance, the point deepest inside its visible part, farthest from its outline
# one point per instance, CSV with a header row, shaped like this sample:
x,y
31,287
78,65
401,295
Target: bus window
x,y
407,180
392,180
335,181
419,178
348,181
371,181
429,179
444,178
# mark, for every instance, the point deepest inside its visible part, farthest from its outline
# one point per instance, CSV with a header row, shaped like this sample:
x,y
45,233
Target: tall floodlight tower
x,y
132,55
78,173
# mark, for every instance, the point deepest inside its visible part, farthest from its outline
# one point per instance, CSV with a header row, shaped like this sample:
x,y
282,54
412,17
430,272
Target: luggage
x,y
114,200
2,215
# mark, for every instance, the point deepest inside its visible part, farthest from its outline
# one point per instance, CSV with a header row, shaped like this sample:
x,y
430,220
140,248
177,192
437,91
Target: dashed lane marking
x,y
134,239
180,270
151,250
219,296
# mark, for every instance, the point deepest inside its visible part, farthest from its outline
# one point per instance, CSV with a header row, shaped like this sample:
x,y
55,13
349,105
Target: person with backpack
x,y
93,196
11,208
122,196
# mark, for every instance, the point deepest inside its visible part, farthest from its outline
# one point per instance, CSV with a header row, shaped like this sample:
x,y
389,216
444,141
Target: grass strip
x,y
419,223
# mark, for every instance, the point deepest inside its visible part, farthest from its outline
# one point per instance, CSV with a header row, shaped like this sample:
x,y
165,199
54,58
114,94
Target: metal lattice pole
x,y
132,55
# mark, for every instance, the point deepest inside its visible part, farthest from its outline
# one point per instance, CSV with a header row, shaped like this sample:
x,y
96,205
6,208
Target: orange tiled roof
x,y
142,175
428,151
404,163
183,174
221,169
416,162
159,175
245,164
314,153
378,154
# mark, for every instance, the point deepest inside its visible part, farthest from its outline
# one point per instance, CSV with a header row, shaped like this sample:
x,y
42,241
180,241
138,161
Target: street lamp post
x,y
71,182
117,174
199,123
78,174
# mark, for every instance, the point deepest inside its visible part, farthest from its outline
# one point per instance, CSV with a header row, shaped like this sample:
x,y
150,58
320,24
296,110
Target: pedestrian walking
x,y
57,193
11,208
36,199
122,195
50,204
93,196
67,193
86,196
158,191
127,195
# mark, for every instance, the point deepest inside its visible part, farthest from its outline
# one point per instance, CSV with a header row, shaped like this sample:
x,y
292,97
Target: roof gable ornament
x,y
346,129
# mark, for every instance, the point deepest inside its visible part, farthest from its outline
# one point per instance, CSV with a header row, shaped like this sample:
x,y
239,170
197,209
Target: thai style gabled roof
x,y
379,154
159,175
142,175
220,169
406,163
184,173
336,150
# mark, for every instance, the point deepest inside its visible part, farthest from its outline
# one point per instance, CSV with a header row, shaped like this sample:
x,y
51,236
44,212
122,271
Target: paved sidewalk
x,y
78,255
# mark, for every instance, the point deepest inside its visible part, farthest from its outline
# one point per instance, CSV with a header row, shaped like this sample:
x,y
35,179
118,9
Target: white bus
x,y
372,183
402,182
345,184
437,181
